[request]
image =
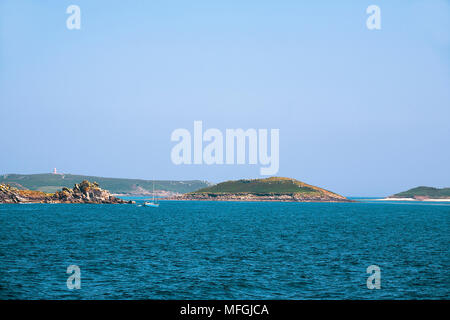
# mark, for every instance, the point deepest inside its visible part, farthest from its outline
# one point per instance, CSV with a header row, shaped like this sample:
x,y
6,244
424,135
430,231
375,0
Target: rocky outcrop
x,y
283,197
84,192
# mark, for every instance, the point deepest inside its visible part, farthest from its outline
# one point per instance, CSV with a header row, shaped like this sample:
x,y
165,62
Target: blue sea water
x,y
225,250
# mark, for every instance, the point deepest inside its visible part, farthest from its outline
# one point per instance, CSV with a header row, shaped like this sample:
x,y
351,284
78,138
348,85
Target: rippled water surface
x,y
225,250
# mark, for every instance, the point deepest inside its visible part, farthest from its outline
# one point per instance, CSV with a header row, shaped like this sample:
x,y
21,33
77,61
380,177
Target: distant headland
x,y
84,192
269,189
52,182
422,194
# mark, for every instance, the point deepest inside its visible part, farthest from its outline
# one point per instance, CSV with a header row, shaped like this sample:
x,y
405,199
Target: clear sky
x,y
361,112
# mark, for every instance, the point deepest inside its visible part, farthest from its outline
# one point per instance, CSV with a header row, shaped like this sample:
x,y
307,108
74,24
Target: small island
x,y
269,189
422,194
84,192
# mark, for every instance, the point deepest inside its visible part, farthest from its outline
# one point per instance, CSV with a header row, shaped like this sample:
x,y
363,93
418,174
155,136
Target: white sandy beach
x,y
411,199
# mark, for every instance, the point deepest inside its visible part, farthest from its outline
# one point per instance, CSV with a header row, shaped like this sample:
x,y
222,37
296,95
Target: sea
x,y
226,250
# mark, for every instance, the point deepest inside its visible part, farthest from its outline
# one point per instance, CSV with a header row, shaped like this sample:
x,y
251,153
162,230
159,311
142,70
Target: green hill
x,y
426,192
269,189
48,182
269,185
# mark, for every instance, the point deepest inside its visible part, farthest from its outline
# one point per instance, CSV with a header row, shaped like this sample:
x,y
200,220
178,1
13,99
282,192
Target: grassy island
x,y
423,193
269,189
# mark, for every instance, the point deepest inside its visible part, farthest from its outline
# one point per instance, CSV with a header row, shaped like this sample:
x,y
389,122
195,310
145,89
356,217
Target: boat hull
x,y
154,205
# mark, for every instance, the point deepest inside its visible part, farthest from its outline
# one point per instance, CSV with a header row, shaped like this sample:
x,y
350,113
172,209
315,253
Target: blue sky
x,y
360,112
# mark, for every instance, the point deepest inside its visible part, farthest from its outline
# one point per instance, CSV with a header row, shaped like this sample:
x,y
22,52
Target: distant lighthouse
x,y
54,171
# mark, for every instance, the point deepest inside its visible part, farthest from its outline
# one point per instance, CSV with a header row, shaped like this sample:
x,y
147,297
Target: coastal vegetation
x,y
269,185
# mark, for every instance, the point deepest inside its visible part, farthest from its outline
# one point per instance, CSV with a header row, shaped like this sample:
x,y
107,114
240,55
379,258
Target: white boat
x,y
152,203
